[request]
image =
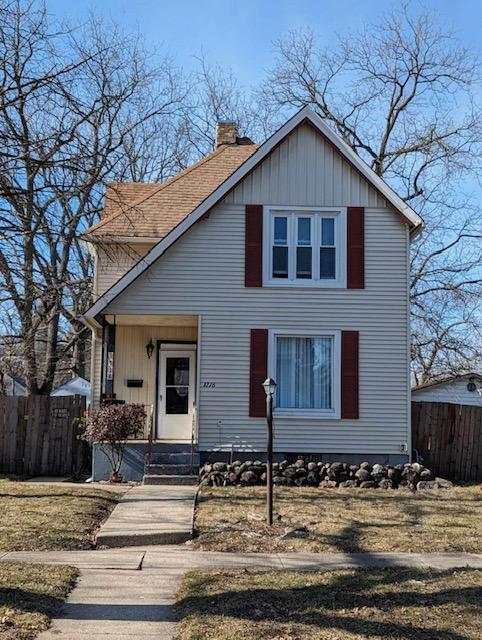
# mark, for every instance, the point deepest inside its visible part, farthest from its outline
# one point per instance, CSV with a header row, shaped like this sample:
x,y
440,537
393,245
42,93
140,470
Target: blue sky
x,y
239,34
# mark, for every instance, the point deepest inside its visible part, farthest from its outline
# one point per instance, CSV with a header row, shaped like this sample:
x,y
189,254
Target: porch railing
x,y
148,424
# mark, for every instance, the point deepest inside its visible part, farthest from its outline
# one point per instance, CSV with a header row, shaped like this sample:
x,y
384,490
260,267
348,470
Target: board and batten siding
x,y
203,273
306,171
131,361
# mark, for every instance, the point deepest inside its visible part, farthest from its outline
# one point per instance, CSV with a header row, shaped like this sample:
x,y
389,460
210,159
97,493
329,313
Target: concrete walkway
x,y
128,594
150,515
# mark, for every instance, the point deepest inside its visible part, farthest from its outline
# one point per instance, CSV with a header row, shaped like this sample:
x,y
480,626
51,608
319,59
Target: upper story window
x,y
305,247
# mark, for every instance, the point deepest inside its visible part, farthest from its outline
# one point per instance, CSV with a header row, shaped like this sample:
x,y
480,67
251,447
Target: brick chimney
x,y
226,133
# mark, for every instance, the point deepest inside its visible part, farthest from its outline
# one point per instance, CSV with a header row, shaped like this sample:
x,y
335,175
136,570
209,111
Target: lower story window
x,y
305,372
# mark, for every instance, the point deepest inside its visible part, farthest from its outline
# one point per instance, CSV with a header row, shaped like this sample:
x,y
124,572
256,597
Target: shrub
x,y
110,426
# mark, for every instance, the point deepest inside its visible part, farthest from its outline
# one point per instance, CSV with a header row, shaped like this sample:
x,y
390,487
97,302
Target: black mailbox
x,y
135,383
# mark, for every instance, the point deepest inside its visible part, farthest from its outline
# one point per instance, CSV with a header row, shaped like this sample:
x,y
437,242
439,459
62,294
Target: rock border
x,y
326,475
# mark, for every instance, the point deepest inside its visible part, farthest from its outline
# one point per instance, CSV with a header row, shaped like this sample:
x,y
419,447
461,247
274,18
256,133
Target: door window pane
x,y
328,232
177,400
177,371
280,262
327,263
304,372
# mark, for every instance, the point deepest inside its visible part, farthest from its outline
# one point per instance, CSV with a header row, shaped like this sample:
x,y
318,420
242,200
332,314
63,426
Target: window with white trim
x,y
305,247
307,372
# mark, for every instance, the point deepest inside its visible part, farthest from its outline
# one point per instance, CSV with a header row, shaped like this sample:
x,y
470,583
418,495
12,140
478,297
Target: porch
x,y
153,360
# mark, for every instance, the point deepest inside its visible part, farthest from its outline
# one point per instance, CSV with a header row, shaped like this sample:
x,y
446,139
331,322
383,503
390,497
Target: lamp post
x,y
269,386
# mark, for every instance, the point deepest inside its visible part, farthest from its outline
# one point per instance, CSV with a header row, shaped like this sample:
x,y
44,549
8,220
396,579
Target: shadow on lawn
x,y
29,601
338,604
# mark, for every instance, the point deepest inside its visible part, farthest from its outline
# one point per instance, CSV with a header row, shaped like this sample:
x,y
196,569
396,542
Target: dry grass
x,y
346,604
38,517
30,595
348,520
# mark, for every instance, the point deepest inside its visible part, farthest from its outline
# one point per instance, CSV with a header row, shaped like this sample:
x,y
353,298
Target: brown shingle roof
x,y
152,210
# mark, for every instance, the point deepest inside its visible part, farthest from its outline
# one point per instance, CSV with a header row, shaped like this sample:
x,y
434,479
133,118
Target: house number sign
x,y
208,384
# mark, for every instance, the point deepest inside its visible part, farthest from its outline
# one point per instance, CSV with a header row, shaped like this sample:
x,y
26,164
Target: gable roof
x,y
152,210
305,115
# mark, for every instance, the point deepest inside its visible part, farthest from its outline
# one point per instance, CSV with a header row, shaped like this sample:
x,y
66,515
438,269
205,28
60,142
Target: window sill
x,y
305,284
299,414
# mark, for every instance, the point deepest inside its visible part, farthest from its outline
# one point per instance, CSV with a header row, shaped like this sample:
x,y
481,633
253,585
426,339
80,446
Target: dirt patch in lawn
x,y
30,595
39,517
346,604
346,520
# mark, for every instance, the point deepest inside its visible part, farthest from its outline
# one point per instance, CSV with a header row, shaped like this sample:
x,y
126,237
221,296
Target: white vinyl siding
x,y
454,391
305,171
112,262
203,274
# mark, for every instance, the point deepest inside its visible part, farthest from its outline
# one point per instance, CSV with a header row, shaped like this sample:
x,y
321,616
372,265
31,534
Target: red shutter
x,y
355,250
258,372
253,255
349,374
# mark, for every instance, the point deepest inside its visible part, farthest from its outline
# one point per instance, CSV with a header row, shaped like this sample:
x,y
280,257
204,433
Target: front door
x,y
176,394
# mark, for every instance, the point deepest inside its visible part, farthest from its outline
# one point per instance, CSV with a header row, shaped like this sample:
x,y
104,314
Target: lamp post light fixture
x,y
269,386
149,348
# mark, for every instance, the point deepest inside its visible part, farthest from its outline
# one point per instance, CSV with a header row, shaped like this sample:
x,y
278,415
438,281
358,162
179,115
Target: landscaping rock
x,y
427,485
368,484
362,475
328,484
444,484
348,483
322,474
298,532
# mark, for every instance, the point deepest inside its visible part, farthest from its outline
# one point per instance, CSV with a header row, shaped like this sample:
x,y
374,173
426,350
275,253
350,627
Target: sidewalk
x,y
150,514
128,594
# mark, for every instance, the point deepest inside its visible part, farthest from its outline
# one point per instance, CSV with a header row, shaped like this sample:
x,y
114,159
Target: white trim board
x,y
304,115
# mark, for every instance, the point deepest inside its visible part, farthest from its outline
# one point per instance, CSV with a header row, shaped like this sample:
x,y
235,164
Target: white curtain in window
x,y
303,372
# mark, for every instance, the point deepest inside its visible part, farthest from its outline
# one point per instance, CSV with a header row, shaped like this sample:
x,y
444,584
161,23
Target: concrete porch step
x,y
170,479
176,458
173,469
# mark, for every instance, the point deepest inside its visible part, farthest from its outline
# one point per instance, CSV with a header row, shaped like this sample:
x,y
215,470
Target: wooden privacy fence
x,y
38,436
449,438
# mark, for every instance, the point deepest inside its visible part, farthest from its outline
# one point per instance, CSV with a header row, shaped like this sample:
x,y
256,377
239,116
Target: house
x,y
76,386
289,259
462,389
11,385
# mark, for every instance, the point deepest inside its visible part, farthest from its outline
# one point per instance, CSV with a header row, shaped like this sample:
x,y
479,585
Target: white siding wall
x,y
454,392
203,273
306,171
112,261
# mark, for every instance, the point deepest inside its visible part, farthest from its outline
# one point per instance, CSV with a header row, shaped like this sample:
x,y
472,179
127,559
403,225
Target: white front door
x,y
177,376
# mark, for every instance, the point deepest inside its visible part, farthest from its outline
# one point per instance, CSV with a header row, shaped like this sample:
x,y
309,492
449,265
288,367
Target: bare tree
x,y
72,102
215,96
401,93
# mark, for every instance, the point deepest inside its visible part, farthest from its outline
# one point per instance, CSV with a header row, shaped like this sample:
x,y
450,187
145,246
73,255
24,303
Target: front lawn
x,y
30,595
346,604
346,520
40,517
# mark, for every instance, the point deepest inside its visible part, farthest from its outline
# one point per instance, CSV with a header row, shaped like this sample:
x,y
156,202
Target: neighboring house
x,y
75,387
290,260
462,389
12,386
